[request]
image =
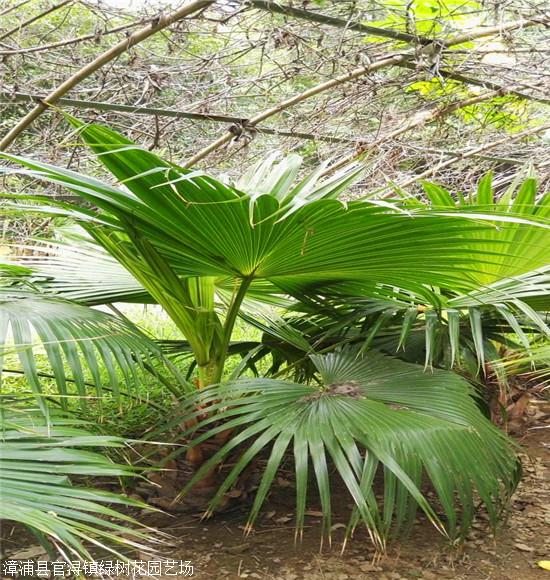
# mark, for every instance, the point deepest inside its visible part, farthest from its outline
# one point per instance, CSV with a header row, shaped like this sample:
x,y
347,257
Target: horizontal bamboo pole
x,y
138,36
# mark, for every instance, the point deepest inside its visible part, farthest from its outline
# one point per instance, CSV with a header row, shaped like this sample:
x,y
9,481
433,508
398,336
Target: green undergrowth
x,y
135,412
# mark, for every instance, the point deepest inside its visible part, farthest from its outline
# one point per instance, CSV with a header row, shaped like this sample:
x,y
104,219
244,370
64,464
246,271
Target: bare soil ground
x,y
218,548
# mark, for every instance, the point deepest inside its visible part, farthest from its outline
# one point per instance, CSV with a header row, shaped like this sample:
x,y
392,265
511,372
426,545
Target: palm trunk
x,y
208,373
211,373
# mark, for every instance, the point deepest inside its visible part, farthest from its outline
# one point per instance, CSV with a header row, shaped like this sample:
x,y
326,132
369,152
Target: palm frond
x,y
444,337
517,205
36,462
75,267
200,227
86,350
368,411
276,175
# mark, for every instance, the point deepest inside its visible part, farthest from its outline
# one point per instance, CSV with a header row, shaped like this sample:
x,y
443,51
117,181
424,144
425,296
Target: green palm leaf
x,y
178,232
519,204
369,410
76,268
201,227
84,347
36,461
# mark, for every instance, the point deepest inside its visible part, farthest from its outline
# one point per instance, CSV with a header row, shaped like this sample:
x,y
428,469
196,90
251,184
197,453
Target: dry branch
x,y
34,19
354,74
155,26
418,120
458,156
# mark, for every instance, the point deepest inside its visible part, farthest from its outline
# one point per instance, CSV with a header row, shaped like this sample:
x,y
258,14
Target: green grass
x,y
135,413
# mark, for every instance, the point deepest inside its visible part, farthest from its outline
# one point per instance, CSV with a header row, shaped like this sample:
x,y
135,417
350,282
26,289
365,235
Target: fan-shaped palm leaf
x,y
202,228
76,268
517,202
368,411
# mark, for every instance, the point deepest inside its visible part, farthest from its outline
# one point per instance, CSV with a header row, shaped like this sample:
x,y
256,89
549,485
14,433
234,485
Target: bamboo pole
x,y
357,140
270,6
155,26
486,84
19,97
393,60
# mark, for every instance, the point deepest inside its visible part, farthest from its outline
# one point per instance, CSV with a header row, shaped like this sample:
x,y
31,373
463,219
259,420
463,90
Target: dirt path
x,y
217,548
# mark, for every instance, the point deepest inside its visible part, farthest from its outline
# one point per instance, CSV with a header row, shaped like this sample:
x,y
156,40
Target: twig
x,y
70,41
354,74
34,19
155,26
464,155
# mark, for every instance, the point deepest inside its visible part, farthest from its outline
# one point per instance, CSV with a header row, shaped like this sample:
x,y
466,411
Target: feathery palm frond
x,y
84,347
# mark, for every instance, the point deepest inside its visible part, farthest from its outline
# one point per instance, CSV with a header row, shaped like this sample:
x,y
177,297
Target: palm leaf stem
x,y
229,324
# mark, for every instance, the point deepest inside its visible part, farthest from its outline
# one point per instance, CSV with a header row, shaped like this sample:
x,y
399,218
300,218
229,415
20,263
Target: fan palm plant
x,y
207,252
